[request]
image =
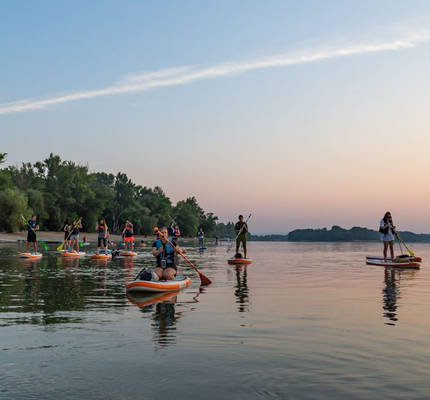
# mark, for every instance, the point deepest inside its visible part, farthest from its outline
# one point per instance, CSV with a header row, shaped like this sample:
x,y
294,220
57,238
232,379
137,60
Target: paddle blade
x,y
204,280
60,247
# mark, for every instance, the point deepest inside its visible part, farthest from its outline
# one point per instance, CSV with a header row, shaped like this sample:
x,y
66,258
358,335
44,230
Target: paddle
x,y
240,231
45,246
60,247
203,279
411,253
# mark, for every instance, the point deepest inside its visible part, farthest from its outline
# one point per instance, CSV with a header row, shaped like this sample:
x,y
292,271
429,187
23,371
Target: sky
x,y
303,113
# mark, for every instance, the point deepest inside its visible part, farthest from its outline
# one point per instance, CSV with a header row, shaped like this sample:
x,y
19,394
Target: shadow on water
x,y
241,289
391,292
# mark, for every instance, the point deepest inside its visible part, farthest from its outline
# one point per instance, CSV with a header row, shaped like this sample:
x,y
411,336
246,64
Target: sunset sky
x,y
305,113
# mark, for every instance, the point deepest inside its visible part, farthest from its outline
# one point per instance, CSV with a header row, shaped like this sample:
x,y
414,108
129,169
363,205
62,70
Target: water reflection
x,y
241,289
391,292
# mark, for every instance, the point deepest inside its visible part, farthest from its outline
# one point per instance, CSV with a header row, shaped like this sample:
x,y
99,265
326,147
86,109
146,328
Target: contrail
x,y
183,75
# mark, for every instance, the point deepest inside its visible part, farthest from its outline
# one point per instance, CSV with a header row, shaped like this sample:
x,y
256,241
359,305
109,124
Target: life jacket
x,y
168,254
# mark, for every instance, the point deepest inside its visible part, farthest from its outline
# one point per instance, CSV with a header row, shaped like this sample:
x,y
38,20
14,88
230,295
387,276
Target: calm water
x,y
304,321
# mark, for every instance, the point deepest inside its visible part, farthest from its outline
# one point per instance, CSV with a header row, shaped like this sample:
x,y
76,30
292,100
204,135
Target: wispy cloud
x,y
187,74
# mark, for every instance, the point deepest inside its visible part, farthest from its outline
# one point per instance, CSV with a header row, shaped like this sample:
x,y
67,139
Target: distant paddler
x,y
32,227
386,228
102,235
74,237
67,232
241,229
201,237
128,236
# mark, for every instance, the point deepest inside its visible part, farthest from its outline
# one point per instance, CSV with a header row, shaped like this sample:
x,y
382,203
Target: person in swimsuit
x,y
128,235
102,235
241,229
32,227
166,255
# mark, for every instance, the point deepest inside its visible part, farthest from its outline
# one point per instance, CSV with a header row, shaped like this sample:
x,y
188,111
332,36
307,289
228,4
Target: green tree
x,y
13,204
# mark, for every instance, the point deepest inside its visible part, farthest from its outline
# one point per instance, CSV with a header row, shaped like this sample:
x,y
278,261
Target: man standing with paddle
x,y
241,229
32,227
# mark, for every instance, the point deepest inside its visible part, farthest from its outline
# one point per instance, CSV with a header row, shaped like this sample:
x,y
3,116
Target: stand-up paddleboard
x,y
73,254
148,298
394,264
127,253
236,261
404,257
101,256
30,255
180,282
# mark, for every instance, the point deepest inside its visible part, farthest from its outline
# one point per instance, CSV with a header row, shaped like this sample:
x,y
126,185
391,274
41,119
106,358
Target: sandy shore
x,y
57,237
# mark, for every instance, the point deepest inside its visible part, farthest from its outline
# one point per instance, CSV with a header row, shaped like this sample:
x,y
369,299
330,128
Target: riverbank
x,y
58,237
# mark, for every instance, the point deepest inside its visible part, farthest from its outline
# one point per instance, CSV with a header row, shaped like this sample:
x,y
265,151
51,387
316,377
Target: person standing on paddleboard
x,y
74,237
32,227
67,231
241,229
166,255
128,236
102,235
201,237
386,229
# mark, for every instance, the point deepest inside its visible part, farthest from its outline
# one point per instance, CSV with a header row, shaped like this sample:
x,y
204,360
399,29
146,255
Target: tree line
x,y
59,191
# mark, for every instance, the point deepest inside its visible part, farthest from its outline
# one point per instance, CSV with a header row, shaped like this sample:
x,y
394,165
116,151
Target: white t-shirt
x,y
386,237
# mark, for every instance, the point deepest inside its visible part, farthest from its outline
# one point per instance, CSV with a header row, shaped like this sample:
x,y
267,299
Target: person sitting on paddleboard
x,y
166,256
201,237
67,232
32,226
241,229
386,229
74,237
128,235
102,234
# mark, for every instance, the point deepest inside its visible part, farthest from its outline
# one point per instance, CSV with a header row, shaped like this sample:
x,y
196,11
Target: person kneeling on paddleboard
x,y
386,229
166,256
241,229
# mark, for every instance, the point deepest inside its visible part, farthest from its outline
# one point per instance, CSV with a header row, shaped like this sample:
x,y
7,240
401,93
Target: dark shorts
x,y
241,238
99,241
31,237
66,235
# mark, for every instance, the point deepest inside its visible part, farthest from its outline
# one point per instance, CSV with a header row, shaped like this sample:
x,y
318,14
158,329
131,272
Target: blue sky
x,y
298,145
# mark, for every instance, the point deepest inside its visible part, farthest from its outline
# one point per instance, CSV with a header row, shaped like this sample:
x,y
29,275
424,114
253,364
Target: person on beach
x,y
74,237
67,231
102,235
166,255
241,229
128,235
201,237
387,236
32,227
